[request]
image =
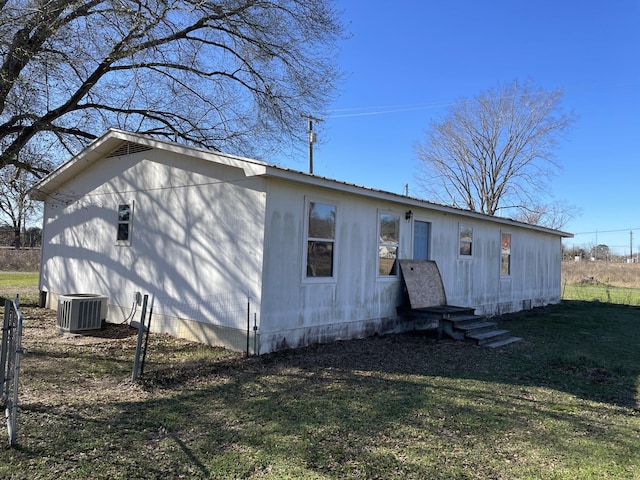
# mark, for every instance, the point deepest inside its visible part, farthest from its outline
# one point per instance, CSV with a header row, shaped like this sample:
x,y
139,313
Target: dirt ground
x,y
100,364
29,292
47,350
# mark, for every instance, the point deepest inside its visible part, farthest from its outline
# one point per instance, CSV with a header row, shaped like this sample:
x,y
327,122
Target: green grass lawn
x,y
602,293
18,279
561,404
24,284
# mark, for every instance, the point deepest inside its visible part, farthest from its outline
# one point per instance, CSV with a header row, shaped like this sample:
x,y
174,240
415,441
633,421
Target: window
x,y
321,237
123,236
466,241
389,240
505,263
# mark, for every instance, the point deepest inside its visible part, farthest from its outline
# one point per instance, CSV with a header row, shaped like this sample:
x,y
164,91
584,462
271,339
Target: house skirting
x,y
309,335
261,341
207,333
503,308
201,332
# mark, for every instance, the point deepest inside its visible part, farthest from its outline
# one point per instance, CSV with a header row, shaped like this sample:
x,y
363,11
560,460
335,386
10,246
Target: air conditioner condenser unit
x,y
79,312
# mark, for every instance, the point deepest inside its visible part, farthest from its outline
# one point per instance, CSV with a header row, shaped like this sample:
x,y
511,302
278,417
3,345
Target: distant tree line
x,y
595,253
29,237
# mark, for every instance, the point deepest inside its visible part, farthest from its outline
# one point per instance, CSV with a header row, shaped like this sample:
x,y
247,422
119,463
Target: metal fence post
x,y
136,360
248,323
5,346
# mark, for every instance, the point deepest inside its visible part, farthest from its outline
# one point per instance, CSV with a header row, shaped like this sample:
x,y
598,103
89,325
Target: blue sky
x,y
406,61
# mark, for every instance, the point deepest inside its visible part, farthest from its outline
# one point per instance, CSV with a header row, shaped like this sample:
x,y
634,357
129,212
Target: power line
x,y
406,107
383,110
607,231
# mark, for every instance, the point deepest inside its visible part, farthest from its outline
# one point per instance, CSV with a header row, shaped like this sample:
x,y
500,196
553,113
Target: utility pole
x,y
630,246
312,138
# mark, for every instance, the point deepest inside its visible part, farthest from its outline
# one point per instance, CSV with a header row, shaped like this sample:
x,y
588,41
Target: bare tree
x,y
230,74
16,208
552,215
15,205
494,150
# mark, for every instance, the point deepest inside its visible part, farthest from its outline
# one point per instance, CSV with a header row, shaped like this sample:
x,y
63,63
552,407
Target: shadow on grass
x,y
333,419
398,405
585,349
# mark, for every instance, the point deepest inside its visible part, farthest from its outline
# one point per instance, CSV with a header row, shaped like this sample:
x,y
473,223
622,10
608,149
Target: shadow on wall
x,y
184,239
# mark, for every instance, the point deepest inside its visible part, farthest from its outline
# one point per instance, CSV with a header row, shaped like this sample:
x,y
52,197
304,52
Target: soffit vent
x,y
128,148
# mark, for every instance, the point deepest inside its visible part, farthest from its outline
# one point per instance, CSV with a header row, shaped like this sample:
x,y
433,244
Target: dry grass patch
x,y
24,260
601,281
603,273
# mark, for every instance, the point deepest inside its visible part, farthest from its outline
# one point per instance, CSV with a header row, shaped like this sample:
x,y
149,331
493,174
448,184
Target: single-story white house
x,y
238,252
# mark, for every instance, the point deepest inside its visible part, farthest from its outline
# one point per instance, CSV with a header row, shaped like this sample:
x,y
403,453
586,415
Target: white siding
x,y
356,302
477,282
202,228
197,231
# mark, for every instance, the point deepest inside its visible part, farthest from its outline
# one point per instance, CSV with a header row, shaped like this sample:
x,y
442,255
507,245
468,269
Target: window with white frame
x,y
505,258
466,240
321,239
388,243
125,217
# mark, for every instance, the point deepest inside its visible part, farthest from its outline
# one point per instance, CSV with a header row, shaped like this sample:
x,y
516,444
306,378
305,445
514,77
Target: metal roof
x,y
118,142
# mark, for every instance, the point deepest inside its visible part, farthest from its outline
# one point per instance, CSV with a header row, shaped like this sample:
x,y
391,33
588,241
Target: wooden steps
x,y
427,308
461,323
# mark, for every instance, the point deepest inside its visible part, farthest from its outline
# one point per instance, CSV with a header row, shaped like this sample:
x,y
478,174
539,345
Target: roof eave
x,y
324,182
112,139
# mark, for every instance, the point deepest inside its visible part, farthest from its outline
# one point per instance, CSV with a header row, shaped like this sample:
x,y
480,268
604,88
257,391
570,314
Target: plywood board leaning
x,y
423,282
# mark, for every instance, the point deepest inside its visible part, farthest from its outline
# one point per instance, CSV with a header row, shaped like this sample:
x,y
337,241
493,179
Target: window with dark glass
x,y
321,235
466,241
388,243
124,222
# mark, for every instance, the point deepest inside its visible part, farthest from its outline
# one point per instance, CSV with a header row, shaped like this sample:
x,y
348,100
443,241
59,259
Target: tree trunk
x,y
17,243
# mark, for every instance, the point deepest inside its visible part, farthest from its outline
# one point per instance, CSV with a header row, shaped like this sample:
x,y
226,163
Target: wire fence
x,y
10,360
232,315
601,293
226,309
